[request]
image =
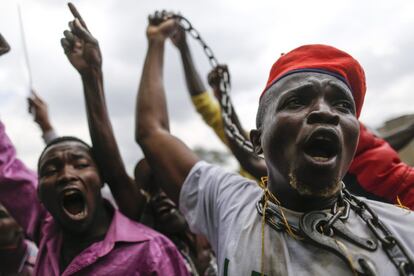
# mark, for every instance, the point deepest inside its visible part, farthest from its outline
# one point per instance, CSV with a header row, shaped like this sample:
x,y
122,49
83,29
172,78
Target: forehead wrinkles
x,y
298,81
340,86
71,148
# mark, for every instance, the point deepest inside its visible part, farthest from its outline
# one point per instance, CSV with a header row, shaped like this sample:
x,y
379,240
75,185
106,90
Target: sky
x,y
247,36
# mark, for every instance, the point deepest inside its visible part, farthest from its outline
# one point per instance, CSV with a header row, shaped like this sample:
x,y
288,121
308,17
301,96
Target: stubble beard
x,y
304,189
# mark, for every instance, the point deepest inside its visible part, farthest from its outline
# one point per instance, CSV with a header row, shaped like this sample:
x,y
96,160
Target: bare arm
x,y
38,108
250,162
168,157
401,137
40,114
194,83
83,52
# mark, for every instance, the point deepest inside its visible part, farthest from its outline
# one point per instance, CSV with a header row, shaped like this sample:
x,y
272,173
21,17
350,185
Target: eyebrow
x,y
344,89
76,156
297,88
48,162
80,155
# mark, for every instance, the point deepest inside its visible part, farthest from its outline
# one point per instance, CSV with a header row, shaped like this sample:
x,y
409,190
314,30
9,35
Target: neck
x,y
291,199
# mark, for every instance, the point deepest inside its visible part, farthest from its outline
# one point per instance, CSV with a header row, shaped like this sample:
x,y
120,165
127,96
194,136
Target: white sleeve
x,y
211,197
49,136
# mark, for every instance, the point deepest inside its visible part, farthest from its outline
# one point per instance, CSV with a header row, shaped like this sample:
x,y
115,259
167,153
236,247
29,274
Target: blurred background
x,y
247,36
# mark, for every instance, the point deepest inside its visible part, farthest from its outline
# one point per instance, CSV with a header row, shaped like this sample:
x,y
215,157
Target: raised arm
x,y
83,52
194,83
250,162
168,157
38,109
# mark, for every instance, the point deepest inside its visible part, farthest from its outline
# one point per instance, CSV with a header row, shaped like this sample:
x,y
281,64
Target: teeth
x,y
320,158
70,192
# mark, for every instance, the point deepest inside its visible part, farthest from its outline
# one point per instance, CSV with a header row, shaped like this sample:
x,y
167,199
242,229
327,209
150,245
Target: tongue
x,y
73,203
317,152
318,149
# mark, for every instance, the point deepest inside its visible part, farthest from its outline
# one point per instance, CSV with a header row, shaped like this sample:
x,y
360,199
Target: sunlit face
x,y
69,185
310,132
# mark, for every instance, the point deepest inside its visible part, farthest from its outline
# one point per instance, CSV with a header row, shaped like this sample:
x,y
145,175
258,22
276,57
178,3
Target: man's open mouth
x,y
74,204
322,145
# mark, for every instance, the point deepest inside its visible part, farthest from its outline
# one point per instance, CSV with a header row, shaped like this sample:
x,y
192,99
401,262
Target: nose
x,y
66,176
322,114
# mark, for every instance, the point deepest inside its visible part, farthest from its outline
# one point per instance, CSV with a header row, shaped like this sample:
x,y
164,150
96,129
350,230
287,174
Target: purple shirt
x,y
129,248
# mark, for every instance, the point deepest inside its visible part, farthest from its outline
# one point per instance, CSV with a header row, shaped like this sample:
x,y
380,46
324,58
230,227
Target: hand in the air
x,y
178,38
81,48
214,78
161,25
38,108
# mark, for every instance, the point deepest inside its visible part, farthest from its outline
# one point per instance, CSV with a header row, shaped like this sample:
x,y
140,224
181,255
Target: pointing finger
x,y
76,14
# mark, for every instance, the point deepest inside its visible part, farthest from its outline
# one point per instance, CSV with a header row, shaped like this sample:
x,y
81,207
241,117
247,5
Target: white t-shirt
x,y
222,206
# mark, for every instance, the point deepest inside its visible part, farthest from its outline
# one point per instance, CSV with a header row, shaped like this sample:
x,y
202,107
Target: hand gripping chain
x,y
390,244
232,131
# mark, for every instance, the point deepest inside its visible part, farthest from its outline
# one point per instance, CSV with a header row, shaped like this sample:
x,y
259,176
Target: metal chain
x,y
232,131
391,245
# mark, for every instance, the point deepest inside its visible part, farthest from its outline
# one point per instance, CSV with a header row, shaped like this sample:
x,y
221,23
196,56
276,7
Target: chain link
x,y
391,245
231,129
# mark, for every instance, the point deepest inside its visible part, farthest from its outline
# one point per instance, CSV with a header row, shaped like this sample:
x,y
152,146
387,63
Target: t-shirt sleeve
x,y
211,197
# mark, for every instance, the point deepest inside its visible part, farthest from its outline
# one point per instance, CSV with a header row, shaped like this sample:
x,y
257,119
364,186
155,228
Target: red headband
x,y
322,59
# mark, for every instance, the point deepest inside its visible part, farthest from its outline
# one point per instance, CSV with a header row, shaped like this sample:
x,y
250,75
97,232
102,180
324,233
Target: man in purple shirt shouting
x,y
77,231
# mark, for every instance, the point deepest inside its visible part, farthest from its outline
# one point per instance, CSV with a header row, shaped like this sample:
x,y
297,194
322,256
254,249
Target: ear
x,y
256,139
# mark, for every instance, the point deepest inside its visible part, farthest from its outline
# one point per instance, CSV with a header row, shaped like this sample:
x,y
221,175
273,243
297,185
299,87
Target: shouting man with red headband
x,y
302,221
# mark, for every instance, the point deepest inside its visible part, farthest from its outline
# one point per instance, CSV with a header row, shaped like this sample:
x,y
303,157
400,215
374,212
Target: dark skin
x,y
10,231
306,106
250,162
11,242
69,165
171,159
168,157
38,108
257,167
194,83
169,221
83,52
167,218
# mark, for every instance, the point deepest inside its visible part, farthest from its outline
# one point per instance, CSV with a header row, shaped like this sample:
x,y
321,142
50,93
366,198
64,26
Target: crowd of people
x,y
320,194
